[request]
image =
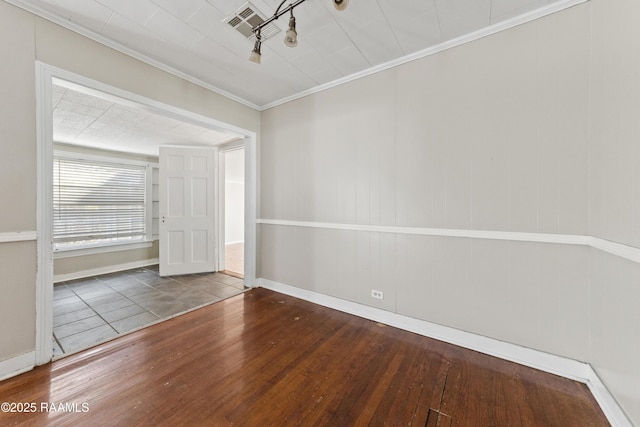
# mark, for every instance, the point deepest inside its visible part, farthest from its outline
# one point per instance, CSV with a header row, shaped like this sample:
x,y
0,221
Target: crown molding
x,y
467,38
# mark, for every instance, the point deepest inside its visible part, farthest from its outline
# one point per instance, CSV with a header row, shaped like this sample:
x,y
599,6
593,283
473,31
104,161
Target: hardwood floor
x,y
266,359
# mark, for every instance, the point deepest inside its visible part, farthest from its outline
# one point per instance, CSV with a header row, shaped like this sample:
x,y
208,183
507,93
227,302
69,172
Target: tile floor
x,y
89,311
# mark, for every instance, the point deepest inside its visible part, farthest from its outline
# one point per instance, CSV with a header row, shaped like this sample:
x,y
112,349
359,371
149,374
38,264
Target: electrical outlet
x,y
377,294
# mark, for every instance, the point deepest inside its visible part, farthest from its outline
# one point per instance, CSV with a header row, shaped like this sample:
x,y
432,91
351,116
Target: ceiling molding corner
x,y
467,38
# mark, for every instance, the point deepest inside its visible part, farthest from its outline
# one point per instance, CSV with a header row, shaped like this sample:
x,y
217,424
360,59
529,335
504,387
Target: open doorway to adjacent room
x,y
232,166
103,280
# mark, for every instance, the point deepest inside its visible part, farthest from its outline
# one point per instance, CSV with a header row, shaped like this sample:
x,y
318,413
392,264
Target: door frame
x,y
45,74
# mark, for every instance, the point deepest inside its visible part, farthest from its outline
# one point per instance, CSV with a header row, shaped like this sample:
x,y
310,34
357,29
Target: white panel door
x,y
187,210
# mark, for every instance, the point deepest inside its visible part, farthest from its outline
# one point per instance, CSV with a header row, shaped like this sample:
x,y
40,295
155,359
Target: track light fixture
x,y
291,36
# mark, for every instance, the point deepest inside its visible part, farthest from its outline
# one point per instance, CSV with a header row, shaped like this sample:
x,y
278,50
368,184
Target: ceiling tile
x,y
57,95
208,21
399,13
126,114
328,39
376,42
505,9
80,99
183,10
187,130
459,17
171,28
414,24
73,109
214,52
310,63
139,11
89,12
225,7
326,75
130,34
417,34
348,60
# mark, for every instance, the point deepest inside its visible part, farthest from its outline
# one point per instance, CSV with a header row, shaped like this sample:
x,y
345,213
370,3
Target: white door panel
x,y
187,210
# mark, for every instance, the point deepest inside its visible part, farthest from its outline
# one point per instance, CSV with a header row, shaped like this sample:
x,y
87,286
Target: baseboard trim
x,y
104,270
557,365
605,399
17,365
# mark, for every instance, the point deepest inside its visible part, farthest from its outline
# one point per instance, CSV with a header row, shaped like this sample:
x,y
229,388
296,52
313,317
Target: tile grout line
x,y
58,342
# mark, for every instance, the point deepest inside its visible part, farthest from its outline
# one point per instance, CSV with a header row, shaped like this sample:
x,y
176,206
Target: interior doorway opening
x,y
232,162
47,99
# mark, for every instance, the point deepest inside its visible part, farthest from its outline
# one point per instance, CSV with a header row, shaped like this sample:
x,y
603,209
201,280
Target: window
x,y
98,203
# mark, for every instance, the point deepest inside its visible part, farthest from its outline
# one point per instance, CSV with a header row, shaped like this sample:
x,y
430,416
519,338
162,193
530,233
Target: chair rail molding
x,y
619,249
18,236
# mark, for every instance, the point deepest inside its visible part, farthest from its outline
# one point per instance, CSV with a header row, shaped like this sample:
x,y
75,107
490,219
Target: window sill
x,y
93,250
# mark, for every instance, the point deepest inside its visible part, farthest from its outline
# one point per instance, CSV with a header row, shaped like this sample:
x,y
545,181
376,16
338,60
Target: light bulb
x,y
291,36
340,4
255,55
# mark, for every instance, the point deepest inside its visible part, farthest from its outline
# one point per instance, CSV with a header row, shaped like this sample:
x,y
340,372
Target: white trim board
x,y
17,365
613,248
18,236
94,250
567,239
557,365
104,270
625,251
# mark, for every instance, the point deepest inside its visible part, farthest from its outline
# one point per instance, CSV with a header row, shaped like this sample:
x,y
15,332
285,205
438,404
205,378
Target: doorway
x,y
232,162
46,75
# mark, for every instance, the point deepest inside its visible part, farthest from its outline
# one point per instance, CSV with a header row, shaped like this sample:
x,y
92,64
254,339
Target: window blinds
x,y
97,202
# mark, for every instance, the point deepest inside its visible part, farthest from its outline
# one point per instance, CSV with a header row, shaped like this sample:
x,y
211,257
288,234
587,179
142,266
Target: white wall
x,y
614,194
17,181
234,196
490,136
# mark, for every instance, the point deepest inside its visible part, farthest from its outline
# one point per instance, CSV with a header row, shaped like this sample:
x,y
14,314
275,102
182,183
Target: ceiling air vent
x,y
246,18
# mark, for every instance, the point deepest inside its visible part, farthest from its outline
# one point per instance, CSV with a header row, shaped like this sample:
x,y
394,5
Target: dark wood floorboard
x,y
266,359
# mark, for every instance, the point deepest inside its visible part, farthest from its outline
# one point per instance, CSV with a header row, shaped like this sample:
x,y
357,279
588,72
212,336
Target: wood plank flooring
x,y
266,359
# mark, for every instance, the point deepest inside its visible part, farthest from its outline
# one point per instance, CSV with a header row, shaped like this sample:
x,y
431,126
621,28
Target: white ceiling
x,y
190,38
89,118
